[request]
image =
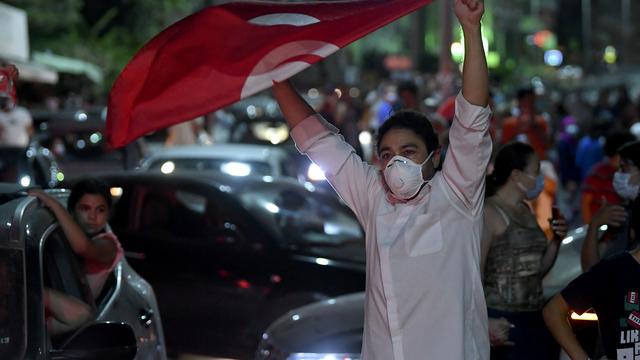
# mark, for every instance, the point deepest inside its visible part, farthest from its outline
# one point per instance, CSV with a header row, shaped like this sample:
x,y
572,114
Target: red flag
x,y
225,53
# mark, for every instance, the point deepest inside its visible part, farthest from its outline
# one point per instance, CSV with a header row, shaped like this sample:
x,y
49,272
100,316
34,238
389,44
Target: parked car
x,y
228,255
34,254
332,328
32,166
237,160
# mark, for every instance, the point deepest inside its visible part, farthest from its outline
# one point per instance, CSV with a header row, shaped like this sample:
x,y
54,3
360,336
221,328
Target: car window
x,y
12,304
227,166
305,219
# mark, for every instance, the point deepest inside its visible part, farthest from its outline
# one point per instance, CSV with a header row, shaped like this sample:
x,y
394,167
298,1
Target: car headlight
x,y
25,181
315,173
323,356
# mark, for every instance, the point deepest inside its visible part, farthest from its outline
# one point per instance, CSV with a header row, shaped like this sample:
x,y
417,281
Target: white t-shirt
x,y
14,127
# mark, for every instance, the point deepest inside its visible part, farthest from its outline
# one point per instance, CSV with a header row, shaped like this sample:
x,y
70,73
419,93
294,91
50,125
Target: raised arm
x,y
354,180
556,314
475,76
292,105
611,215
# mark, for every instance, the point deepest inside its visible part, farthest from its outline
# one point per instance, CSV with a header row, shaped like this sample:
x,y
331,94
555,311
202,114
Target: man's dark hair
x,y
615,140
88,186
411,120
631,151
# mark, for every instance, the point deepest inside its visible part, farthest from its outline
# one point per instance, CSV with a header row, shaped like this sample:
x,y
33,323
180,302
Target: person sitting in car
x,y
85,226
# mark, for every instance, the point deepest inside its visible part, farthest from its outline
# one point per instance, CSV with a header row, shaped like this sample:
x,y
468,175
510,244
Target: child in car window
x,y
85,226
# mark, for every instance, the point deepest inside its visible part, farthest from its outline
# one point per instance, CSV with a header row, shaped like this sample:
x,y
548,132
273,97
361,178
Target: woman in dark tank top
x,y
516,255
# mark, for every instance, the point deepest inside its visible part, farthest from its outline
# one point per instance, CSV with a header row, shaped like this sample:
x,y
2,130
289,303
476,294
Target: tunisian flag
x,y
225,53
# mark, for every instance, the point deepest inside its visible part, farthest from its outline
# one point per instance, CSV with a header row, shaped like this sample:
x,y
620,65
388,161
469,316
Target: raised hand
x,y
469,12
613,215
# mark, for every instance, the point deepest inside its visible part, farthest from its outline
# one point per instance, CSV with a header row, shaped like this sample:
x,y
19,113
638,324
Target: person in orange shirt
x,y
527,126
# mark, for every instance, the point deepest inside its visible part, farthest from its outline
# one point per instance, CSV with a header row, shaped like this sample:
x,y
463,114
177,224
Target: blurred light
x,y
315,173
30,153
553,57
338,92
295,317
168,167
545,39
635,130
457,51
309,186
45,152
493,59
588,316
276,279
331,229
236,169
313,93
95,137
604,227
322,261
225,188
81,116
579,230
567,240
354,92
44,126
331,301
60,176
252,112
272,208
610,55
80,144
116,191
365,138
243,284
267,178
25,180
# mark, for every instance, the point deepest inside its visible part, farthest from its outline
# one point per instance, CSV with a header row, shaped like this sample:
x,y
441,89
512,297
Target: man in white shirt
x,y
16,124
424,296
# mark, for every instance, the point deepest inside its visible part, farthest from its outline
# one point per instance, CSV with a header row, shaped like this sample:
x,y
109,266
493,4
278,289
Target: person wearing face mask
x,y
424,297
625,217
516,255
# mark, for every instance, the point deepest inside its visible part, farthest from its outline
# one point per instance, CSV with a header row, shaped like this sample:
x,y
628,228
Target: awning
x,y
69,65
36,73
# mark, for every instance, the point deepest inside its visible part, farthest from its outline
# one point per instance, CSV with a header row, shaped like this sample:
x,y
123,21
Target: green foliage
x,y
109,39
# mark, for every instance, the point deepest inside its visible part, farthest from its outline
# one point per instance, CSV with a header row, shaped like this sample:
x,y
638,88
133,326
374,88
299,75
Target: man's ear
x,y
437,158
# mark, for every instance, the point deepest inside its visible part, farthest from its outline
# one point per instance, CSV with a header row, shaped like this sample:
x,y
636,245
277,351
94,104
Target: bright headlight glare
x,y
323,356
315,173
25,180
236,169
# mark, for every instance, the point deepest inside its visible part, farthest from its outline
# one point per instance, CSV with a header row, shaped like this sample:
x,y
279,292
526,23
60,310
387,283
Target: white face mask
x,y
404,177
621,184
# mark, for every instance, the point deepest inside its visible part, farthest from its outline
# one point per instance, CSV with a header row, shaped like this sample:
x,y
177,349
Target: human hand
x,y
46,199
469,12
608,214
559,227
499,332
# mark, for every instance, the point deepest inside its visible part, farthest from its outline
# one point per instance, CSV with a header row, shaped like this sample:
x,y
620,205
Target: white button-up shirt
x,y
424,296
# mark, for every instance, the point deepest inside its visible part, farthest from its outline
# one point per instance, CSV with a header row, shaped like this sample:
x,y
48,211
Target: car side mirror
x,y
101,341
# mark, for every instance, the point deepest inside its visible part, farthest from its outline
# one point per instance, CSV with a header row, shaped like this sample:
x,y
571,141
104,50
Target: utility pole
x,y
446,70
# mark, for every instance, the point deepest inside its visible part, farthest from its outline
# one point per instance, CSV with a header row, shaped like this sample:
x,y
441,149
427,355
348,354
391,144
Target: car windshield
x,y
228,166
311,222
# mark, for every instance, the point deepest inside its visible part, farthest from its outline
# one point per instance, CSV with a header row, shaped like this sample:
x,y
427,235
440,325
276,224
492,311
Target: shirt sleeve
x,y
468,154
581,293
353,179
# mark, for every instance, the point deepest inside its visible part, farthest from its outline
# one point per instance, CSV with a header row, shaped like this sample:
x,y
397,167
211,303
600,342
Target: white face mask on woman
x,y
404,176
622,185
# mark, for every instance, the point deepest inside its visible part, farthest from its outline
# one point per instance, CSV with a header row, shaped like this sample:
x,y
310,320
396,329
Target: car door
x,y
193,244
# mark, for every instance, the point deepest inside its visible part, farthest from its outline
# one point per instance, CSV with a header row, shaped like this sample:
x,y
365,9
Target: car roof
x,y
226,183
245,152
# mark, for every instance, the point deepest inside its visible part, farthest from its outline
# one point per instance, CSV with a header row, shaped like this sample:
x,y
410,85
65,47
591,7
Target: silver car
x,y
332,329
34,254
